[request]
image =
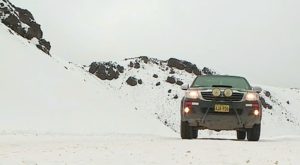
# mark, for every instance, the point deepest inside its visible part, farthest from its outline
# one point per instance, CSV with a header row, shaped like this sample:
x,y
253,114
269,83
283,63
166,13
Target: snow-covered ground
x,y
54,112
145,149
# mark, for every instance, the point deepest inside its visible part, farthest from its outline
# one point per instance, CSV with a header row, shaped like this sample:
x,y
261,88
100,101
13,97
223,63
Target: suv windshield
x,y
221,81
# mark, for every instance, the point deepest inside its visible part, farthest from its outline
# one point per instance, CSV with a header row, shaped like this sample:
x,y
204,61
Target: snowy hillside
x,y
159,93
123,112
22,22
40,94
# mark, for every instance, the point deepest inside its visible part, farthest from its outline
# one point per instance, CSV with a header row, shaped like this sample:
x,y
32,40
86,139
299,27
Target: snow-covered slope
x,y
49,95
45,102
163,101
40,94
211,33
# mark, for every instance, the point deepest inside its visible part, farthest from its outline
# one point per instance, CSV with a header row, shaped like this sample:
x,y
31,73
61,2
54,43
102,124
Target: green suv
x,y
218,102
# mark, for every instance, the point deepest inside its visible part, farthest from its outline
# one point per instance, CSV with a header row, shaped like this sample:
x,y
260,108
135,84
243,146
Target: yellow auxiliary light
x,y
216,92
228,92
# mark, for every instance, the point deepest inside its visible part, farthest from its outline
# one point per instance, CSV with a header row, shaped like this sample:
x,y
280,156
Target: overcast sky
x,y
258,39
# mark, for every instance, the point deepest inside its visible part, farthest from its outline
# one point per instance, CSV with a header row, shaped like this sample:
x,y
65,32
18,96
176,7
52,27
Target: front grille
x,y
235,97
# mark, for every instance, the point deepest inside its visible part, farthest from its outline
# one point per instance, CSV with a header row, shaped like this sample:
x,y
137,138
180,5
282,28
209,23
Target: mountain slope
x,y
160,97
210,33
54,112
40,94
23,23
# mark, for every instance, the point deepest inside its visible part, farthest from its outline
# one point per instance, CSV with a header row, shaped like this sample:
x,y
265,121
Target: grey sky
x,y
259,39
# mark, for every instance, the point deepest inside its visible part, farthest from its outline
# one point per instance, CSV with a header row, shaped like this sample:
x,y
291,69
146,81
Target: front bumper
x,y
203,115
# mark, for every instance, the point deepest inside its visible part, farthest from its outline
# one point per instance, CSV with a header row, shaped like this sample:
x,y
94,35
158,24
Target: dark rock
x,y
17,17
137,65
170,90
25,15
179,82
196,71
43,48
172,71
171,80
267,93
263,102
173,62
105,70
157,84
101,73
155,75
189,70
34,31
13,22
145,59
111,74
140,81
131,81
175,97
269,106
45,43
131,64
207,71
288,102
120,68
184,65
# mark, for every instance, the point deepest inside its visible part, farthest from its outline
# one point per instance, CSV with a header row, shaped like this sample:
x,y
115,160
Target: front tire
x,y
241,135
253,133
195,133
186,131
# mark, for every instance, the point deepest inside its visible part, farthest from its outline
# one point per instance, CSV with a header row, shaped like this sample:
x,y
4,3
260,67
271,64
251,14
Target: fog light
x,y
228,92
186,110
256,112
216,92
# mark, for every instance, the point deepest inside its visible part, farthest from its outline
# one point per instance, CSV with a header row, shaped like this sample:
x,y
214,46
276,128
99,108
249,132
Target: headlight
x,y
251,97
216,92
228,92
192,94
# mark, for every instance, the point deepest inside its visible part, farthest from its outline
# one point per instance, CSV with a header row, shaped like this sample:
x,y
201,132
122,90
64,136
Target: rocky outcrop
x,y
264,103
132,81
171,80
22,22
179,82
208,71
106,70
183,65
111,71
267,93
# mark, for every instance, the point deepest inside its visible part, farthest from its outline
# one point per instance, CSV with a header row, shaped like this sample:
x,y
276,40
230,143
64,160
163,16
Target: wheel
x,y
253,133
185,130
241,135
195,133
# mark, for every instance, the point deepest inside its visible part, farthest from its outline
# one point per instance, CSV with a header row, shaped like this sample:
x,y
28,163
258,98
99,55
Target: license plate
x,y
221,108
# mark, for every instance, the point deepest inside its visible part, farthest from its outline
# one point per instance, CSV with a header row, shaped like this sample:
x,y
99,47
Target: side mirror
x,y
185,86
257,89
